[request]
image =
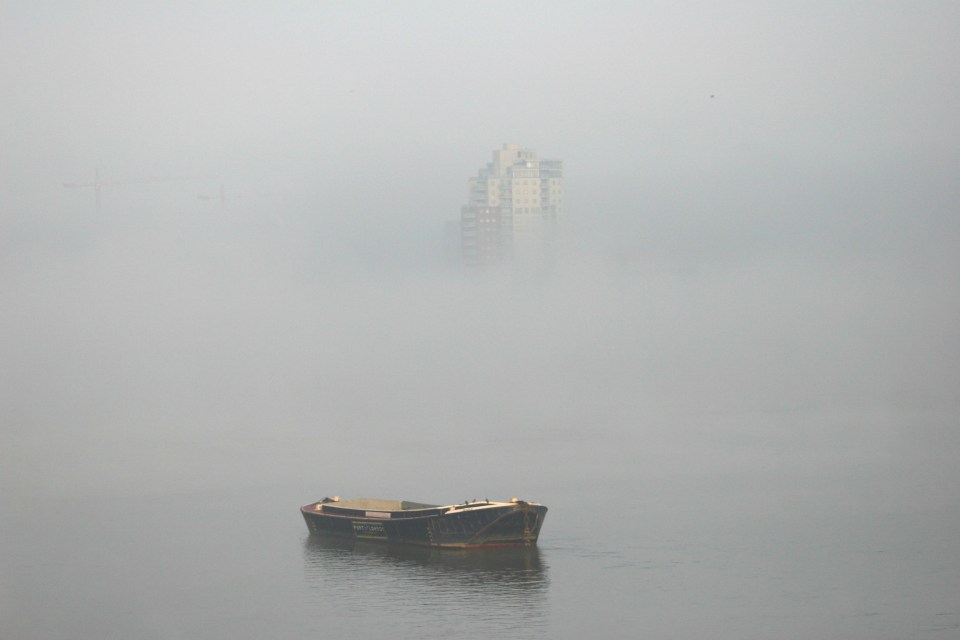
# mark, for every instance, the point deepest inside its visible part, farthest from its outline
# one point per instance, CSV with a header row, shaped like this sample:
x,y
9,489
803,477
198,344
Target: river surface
x,y
630,549
762,449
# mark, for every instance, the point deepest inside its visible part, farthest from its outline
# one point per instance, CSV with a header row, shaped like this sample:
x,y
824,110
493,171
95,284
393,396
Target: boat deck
x,y
377,504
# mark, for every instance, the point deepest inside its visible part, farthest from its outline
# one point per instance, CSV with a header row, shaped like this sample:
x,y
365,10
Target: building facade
x,y
513,206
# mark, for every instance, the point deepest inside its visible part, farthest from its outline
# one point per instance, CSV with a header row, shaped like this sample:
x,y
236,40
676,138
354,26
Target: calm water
x,y
632,549
761,452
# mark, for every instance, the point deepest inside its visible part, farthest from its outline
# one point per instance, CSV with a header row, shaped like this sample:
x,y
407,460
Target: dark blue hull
x,y
470,525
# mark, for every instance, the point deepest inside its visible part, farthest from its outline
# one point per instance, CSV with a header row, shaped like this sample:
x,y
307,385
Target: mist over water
x,y
223,353
734,383
766,442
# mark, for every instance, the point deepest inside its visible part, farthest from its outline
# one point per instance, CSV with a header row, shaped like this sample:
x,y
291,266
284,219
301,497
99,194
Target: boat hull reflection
x,y
450,574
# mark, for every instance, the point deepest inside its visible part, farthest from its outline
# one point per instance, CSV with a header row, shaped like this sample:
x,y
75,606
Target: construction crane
x,y
223,197
99,184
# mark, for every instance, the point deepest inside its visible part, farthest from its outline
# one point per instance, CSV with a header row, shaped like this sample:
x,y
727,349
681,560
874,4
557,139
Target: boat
x,y
469,525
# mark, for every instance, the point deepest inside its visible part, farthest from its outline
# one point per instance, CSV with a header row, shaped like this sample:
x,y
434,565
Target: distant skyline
x,y
731,128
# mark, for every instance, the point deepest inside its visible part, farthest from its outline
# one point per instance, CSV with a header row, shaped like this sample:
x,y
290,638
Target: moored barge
x,y
472,524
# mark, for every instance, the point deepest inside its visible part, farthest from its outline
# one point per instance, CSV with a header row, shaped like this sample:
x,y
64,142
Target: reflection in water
x,y
394,587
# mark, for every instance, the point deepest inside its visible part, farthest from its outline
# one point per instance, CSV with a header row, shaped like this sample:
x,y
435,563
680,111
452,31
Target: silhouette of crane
x,y
223,197
99,184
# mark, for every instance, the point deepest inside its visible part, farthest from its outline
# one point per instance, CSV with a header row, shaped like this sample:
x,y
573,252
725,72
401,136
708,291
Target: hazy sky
x,y
769,117
762,199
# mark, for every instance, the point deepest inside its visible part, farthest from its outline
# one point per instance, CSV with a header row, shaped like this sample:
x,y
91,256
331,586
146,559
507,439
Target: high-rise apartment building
x,y
513,204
